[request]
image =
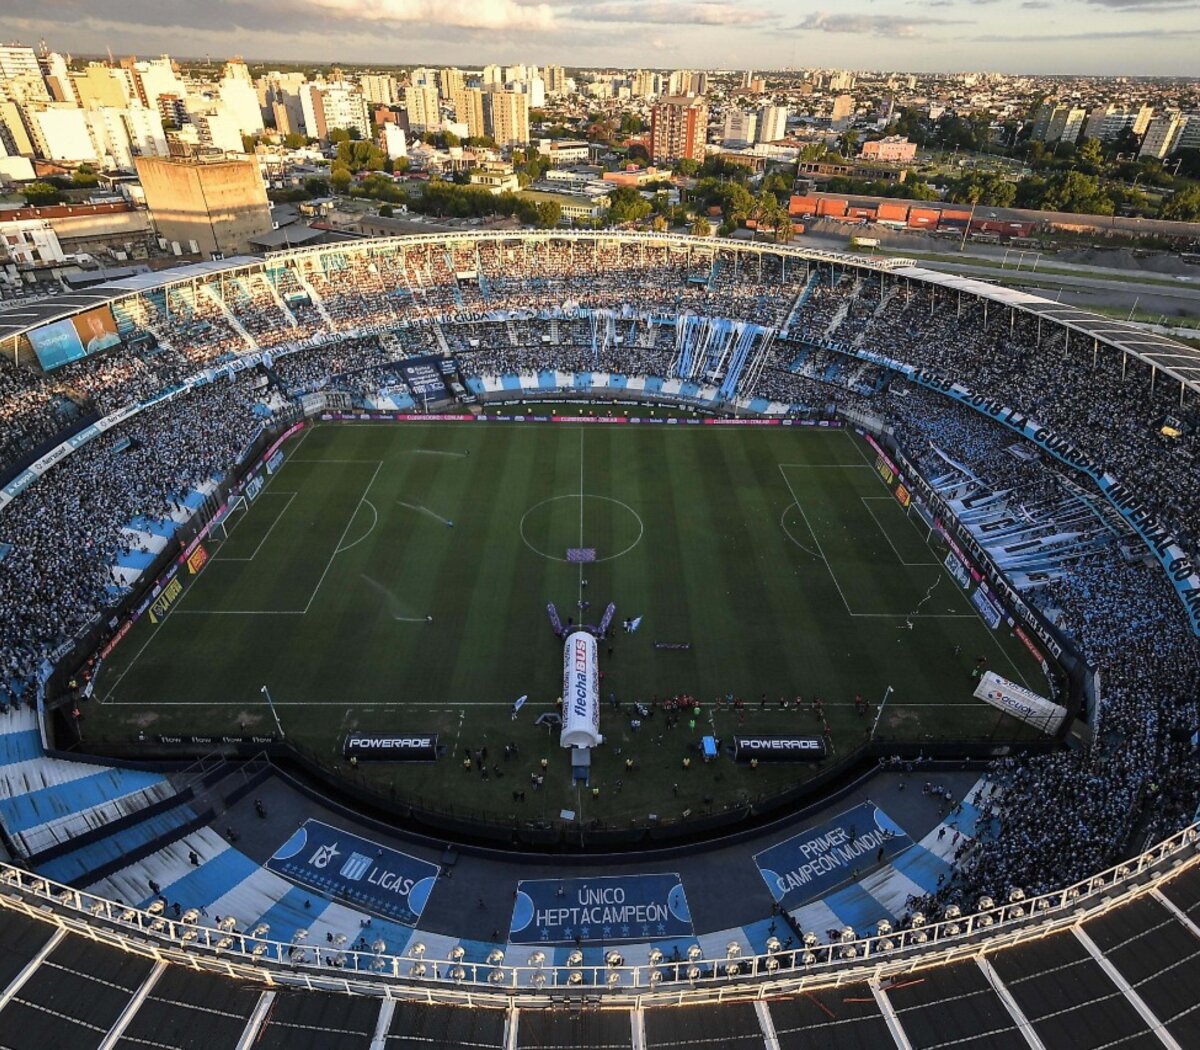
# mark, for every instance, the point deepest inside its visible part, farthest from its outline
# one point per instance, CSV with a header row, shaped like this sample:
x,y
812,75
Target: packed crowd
x,y
1068,814
340,320
66,530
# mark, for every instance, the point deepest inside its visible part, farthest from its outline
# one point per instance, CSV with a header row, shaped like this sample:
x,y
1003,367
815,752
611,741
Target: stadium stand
x,y
210,363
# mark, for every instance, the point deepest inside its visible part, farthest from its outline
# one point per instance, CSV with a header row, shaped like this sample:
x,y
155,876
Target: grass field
x,y
777,553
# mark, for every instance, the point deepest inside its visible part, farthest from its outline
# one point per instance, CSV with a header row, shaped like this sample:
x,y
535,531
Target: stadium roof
x,y
21,318
1178,360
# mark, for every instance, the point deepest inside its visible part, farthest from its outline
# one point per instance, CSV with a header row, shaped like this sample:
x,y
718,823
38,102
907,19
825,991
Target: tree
x,y
294,140
688,167
1089,157
84,177
339,177
40,193
549,214
659,224
638,154
386,211
1182,206
625,204
701,227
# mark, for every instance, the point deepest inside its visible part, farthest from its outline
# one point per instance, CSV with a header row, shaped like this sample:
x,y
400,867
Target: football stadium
x,y
595,639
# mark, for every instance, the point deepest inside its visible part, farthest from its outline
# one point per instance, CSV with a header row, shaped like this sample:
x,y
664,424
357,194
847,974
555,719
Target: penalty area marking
x,y
837,583
788,532
374,522
270,492
895,550
581,496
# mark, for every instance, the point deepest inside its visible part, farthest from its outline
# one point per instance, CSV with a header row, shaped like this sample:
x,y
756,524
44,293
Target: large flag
x,y
635,624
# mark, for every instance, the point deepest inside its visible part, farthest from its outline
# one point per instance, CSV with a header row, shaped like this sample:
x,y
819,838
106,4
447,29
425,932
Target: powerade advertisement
x,y
809,865
601,910
62,342
356,871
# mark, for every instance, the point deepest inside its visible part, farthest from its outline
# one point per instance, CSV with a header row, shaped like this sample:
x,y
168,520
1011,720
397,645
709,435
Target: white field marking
x,y
434,452
895,549
925,539
858,448
434,705
787,532
424,510
271,492
374,522
580,600
241,612
833,575
303,438
830,466
820,551
342,538
590,495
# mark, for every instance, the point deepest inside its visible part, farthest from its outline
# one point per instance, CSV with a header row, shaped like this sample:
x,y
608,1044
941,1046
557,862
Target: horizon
x,y
1082,38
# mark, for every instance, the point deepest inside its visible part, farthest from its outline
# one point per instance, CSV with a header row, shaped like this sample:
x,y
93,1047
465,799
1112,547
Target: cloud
x,y
1141,5
1116,34
462,14
902,26
296,16
665,12
1037,5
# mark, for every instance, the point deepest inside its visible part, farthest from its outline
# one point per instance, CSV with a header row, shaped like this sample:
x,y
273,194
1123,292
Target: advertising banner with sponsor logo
x,y
808,865
162,604
398,747
988,608
581,692
424,376
605,910
1020,702
956,568
357,871
197,559
778,748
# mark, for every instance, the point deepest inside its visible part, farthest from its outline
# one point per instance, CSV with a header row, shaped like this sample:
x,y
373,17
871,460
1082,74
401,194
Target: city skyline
x,y
1082,37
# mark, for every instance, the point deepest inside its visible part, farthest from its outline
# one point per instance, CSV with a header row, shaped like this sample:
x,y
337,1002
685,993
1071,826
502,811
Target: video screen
x,y
62,342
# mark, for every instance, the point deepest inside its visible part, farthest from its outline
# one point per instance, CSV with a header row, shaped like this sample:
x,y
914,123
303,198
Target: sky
x,y
1131,37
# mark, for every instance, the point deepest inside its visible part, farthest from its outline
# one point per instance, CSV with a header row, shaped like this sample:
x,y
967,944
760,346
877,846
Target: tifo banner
x,y
1180,570
810,864
778,748
348,868
1020,702
376,747
613,908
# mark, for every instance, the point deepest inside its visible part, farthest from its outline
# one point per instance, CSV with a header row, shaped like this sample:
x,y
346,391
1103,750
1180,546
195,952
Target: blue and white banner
x,y
1176,562
956,568
359,872
991,612
809,865
600,910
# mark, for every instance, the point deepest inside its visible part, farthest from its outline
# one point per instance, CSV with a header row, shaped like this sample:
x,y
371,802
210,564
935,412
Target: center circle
x,y
545,540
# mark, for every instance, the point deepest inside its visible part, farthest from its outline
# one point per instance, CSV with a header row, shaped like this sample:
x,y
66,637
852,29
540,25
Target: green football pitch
x,y
395,578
